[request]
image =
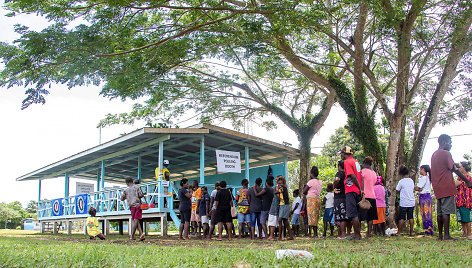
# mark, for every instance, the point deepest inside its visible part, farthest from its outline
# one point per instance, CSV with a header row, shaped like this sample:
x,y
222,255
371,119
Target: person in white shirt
x,y
296,209
406,188
328,200
425,199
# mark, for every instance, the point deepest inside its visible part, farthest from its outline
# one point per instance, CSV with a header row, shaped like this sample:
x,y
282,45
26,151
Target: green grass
x,y
28,249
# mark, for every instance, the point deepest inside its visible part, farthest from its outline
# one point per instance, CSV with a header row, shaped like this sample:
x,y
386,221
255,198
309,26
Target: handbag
x,y
144,205
234,213
364,204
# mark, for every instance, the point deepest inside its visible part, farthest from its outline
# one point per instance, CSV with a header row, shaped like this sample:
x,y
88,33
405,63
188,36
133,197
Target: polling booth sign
x,y
228,161
83,188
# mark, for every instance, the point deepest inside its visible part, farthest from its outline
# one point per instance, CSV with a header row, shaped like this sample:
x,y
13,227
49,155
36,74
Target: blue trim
x,y
139,169
246,164
202,160
66,190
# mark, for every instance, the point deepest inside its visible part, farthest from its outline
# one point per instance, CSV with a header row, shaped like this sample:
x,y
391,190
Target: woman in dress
x,y
425,199
369,178
312,192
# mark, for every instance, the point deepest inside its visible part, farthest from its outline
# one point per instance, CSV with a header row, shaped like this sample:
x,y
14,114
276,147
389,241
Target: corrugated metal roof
x,y
181,148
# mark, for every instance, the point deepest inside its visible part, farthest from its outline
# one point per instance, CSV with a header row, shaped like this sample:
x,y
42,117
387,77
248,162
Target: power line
x,y
456,135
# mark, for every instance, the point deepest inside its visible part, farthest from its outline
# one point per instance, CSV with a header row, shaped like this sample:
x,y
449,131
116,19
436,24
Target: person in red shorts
x,y
353,190
133,195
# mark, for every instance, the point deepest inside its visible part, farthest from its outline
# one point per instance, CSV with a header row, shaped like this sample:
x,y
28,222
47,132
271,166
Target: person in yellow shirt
x,y
92,225
164,174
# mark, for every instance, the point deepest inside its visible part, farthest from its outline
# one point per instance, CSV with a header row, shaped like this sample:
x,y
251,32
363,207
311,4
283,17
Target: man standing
x,y
163,174
443,183
133,195
353,190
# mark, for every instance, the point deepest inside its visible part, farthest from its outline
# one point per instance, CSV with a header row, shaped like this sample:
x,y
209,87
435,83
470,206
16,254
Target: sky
x,y
67,124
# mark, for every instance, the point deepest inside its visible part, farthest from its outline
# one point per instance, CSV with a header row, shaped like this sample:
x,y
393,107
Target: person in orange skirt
x,y
379,190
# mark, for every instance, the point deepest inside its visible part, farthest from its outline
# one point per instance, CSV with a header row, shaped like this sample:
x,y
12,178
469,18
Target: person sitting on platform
x,y
133,195
92,225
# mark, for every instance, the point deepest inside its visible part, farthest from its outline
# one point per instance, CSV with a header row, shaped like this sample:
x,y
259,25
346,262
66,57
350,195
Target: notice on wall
x,y
228,161
84,188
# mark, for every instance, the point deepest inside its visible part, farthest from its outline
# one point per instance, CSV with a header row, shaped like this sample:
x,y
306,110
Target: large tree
x,y
406,55
215,60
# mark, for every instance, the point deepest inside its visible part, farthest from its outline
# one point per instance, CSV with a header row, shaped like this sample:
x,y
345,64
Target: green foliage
x,y
342,137
13,214
325,166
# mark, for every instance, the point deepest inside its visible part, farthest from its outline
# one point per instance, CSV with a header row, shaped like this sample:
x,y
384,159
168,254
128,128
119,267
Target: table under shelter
x,y
192,155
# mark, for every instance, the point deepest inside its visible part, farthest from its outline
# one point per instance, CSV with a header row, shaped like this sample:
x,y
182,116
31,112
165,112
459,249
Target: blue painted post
x,y
66,190
39,198
98,179
285,168
161,166
139,169
246,163
102,177
39,191
202,160
102,185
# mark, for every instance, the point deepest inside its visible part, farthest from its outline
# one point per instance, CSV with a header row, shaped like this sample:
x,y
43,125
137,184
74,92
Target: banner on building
x,y
83,188
228,161
57,207
81,204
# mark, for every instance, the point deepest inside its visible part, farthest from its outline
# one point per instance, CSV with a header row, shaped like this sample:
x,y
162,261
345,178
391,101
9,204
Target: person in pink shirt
x,y
312,192
379,190
369,178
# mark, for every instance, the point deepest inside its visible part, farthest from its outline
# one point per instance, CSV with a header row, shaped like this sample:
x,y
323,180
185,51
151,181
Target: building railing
x,y
108,202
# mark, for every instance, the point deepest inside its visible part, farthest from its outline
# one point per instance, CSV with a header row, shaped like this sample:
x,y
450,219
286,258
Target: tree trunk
x,y
305,156
391,175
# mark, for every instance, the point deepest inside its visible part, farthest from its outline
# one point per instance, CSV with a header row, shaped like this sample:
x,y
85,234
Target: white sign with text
x,y
84,188
228,161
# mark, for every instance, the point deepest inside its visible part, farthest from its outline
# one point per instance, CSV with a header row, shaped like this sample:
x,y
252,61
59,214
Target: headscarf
x,y
379,180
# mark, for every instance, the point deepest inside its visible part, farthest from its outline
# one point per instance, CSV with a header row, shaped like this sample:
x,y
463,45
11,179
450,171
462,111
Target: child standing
x,y
379,190
133,196
296,209
273,220
284,209
329,208
92,225
406,188
205,211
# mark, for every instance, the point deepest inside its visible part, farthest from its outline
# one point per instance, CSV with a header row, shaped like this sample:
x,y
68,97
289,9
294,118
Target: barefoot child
x,y
328,200
284,208
296,209
205,211
406,188
92,225
133,195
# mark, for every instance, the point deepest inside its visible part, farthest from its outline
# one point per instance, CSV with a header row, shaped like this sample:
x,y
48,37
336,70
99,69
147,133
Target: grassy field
x,y
28,249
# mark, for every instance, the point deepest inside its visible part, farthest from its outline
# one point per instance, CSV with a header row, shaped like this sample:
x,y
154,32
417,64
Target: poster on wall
x,y
83,188
57,208
228,161
81,204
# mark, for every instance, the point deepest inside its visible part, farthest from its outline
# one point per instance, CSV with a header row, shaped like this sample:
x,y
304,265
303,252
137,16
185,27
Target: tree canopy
x,y
244,60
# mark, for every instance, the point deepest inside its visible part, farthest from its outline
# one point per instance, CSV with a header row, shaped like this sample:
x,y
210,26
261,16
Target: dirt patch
x,y
173,241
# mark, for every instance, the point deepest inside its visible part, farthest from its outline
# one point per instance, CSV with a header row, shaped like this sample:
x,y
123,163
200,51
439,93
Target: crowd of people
x,y
356,195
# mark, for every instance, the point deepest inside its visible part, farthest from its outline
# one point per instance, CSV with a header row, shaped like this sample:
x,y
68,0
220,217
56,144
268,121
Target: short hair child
x,y
92,225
